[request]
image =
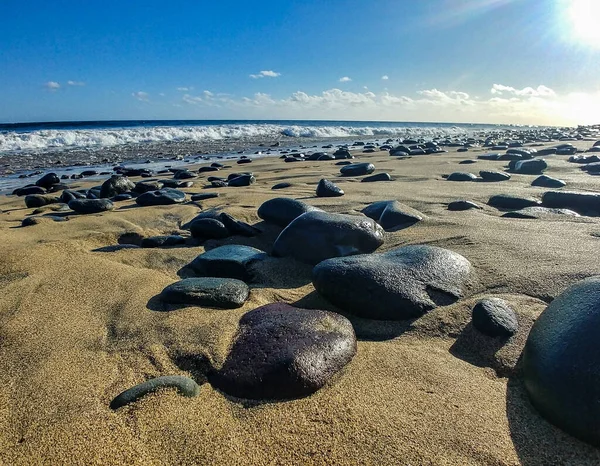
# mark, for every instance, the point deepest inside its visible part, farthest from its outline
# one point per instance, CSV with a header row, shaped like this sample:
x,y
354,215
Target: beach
x,y
79,326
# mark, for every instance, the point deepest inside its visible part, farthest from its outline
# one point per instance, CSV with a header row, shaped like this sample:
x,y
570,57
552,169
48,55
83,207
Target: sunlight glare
x,y
583,16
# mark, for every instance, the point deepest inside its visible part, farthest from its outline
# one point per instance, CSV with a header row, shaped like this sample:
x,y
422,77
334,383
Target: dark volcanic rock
x,y
204,196
281,185
494,176
208,228
342,154
561,361
184,175
283,352
242,180
91,206
507,201
68,195
162,241
530,167
227,293
357,169
462,205
36,220
282,210
377,177
495,318
539,212
237,227
48,180
392,215
326,188
546,181
165,196
583,203
316,236
184,385
230,261
400,284
115,185
39,200
27,190
146,186
460,176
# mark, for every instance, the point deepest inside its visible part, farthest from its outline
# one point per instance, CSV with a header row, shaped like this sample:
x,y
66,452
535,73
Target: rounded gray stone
x,y
227,293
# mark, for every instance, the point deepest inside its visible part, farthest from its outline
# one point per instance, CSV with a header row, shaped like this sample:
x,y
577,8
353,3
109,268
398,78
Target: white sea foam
x,y
56,139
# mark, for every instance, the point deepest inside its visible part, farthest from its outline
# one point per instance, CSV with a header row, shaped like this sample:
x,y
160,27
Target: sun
x,y
583,16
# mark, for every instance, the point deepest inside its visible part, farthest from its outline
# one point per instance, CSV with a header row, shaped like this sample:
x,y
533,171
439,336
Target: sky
x,y
479,61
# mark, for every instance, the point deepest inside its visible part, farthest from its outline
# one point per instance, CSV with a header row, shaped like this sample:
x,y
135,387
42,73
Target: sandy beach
x,y
79,326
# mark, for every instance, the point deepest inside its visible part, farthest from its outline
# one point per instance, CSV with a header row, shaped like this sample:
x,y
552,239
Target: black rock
x,y
316,236
176,184
281,185
492,156
122,197
48,180
227,293
508,201
242,180
467,162
460,176
68,195
530,167
495,318
325,157
208,169
146,186
36,220
462,205
326,188
165,196
184,385
184,175
204,196
283,352
400,284
237,227
539,212
241,161
116,247
162,241
39,200
561,361
27,190
494,176
208,228
282,210
91,206
357,169
377,177
115,185
546,181
232,261
592,168
392,215
583,203
342,154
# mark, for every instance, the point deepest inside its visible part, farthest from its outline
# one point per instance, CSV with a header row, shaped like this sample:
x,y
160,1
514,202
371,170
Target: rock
x,y
494,176
165,196
530,167
91,206
462,205
325,157
229,261
162,241
27,190
116,247
316,236
283,210
377,177
48,180
392,215
561,361
546,181
495,318
39,200
241,161
326,188
237,227
122,197
508,201
342,154
142,187
226,293
68,195
281,185
566,149
204,196
115,185
357,169
209,169
592,168
460,176
492,156
467,162
184,175
208,228
242,180
184,385
539,212
403,283
584,159
283,352
584,203
29,221
176,184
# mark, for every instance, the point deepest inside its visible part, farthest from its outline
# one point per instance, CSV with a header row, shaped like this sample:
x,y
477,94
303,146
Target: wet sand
x,y
77,327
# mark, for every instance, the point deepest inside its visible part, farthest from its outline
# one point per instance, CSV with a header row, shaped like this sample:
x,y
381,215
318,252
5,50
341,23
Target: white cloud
x,y
208,94
185,89
52,85
345,79
385,77
162,94
75,83
265,74
540,91
141,96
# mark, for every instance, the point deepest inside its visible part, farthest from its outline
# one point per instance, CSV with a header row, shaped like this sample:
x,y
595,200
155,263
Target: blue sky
x,y
497,61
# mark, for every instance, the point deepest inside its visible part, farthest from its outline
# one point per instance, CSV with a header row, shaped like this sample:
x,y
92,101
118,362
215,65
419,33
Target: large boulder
x,y
392,215
91,206
282,210
581,202
226,293
316,236
283,352
229,261
400,284
115,185
561,361
508,201
48,180
546,181
40,200
326,188
165,196
357,169
530,167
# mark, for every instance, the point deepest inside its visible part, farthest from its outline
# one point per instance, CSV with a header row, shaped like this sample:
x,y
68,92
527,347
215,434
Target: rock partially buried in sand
x,y
30,221
162,241
283,352
507,201
91,206
462,205
316,236
184,385
460,176
204,196
493,176
281,185
540,213
400,284
39,200
561,361
283,210
229,261
227,293
377,177
326,188
165,196
530,167
115,185
242,180
392,215
357,169
546,181
495,318
584,203
208,228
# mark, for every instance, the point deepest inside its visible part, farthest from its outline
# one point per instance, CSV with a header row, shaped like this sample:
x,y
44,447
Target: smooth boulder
x,y
392,215
508,201
584,203
226,293
357,169
326,188
495,318
229,261
91,206
115,185
165,196
283,210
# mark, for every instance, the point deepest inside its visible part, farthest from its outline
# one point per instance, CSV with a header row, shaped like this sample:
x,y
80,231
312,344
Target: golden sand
x,y
77,327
